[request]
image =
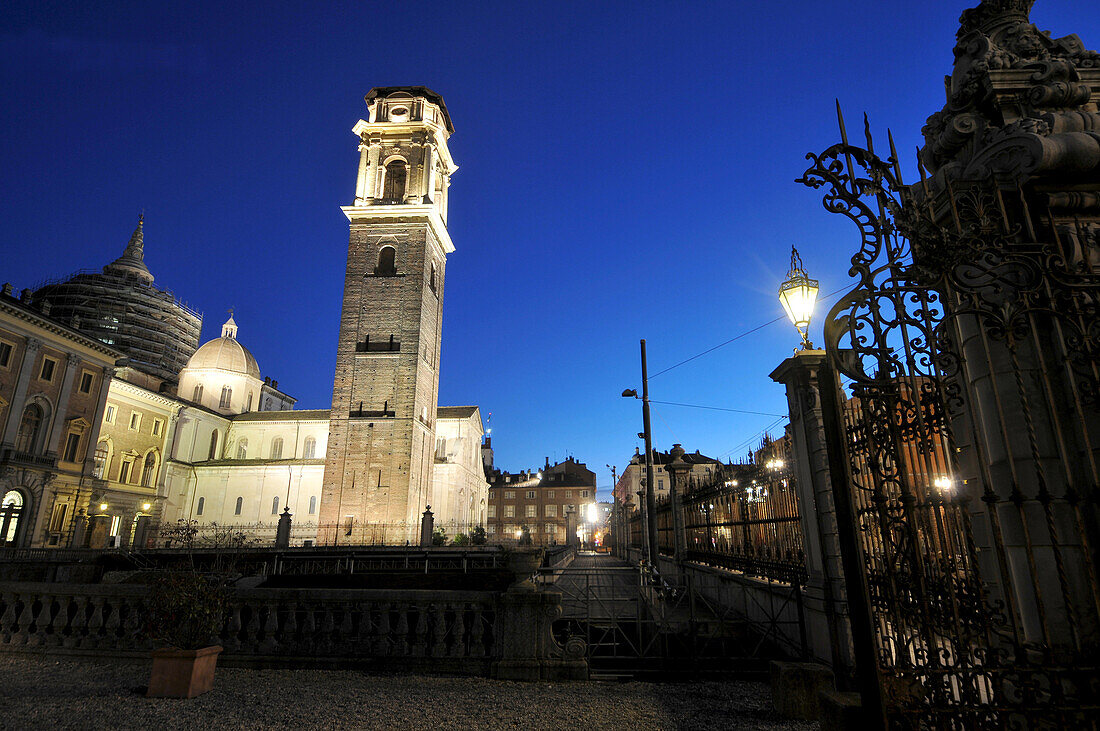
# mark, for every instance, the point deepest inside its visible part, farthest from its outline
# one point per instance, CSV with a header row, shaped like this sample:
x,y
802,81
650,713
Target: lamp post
x,y
650,497
798,294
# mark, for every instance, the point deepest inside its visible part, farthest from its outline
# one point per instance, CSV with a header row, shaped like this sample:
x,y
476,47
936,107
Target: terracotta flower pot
x,y
182,673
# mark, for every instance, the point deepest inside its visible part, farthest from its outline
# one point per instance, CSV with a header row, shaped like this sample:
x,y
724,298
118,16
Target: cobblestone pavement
x,y
43,692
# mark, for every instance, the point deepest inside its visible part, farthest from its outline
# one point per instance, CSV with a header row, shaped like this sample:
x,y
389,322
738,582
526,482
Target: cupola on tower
x,y
385,392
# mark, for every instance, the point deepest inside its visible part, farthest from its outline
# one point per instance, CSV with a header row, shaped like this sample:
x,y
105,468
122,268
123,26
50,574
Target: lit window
x,y
492,511
551,511
509,511
509,494
531,511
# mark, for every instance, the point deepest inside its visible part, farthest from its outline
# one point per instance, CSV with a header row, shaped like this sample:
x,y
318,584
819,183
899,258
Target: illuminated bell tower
x,y
382,429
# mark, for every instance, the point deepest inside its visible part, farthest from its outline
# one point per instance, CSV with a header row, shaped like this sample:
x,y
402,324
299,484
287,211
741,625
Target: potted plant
x,y
186,610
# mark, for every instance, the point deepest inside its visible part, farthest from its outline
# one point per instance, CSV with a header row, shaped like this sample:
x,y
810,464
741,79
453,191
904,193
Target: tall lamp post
x,y
798,294
650,496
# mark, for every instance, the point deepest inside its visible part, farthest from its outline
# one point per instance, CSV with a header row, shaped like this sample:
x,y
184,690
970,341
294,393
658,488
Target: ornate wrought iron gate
x,y
969,463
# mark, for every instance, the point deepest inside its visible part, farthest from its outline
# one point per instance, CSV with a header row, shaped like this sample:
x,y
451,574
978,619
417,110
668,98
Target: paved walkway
x,y
599,586
42,692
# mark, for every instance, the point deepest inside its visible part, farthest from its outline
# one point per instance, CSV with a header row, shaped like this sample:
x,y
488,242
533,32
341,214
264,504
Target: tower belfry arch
x,y
385,392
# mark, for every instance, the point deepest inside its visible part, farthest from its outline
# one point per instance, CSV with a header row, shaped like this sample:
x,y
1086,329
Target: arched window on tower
x,y
275,505
30,426
213,445
393,189
386,261
277,448
431,277
240,504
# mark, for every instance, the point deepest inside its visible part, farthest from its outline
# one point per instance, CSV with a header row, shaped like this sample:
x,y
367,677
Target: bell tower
x,y
382,427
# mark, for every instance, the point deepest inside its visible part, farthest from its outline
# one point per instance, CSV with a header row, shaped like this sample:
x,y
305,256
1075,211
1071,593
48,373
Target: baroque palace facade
x,y
115,422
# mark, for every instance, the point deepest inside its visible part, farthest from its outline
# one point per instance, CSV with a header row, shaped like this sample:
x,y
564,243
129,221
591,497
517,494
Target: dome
x,y
226,354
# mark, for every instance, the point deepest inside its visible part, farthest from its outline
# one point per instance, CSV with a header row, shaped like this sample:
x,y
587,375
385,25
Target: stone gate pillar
x,y
827,628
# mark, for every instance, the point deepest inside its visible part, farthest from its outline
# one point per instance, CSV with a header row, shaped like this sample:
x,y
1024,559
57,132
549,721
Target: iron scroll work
x,y
965,623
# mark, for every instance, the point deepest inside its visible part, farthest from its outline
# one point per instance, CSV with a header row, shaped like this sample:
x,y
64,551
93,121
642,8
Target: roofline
x,y
432,96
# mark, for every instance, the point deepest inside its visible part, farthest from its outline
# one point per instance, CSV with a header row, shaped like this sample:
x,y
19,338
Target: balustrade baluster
x,y
344,632
288,634
270,626
477,627
23,619
328,627
384,641
420,639
78,622
309,630
59,622
439,631
95,624
132,634
458,631
231,638
401,646
363,642
251,628
7,619
112,622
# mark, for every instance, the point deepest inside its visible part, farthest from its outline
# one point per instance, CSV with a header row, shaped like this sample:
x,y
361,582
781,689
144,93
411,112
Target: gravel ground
x,y
49,692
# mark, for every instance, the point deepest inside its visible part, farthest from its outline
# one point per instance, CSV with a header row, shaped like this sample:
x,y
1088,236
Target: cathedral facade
x,y
215,445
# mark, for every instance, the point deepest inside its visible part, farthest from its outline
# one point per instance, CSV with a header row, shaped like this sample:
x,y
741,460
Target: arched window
x,y
26,440
11,508
310,448
248,406
394,187
431,278
202,504
213,445
312,504
196,396
227,397
277,448
149,471
275,505
240,504
102,455
242,449
386,261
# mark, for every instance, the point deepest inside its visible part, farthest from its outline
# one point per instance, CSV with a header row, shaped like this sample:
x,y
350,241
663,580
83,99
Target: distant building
x,y
550,503
630,483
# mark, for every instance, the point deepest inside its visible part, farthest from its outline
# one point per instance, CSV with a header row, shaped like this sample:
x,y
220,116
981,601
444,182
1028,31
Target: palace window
x,y
86,380
49,365
277,448
551,511
135,421
509,494
531,511
393,188
509,511
57,519
72,444
492,511
240,504
110,414
310,448
125,469
149,471
102,453
26,439
530,494
549,493
387,257
201,505
158,426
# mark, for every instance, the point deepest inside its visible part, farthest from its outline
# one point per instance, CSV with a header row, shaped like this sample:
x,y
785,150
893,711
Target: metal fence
x,y
192,534
744,518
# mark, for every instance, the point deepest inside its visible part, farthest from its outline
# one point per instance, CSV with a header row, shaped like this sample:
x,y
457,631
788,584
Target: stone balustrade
x,y
505,634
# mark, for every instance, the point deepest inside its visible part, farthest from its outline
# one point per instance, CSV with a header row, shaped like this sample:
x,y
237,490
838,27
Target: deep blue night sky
x,y
626,171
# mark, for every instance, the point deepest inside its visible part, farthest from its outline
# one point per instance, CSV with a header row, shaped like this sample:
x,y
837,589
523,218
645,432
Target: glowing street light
x,y
942,483
798,295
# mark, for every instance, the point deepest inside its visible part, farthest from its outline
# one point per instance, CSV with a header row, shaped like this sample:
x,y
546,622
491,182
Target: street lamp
x,y
798,294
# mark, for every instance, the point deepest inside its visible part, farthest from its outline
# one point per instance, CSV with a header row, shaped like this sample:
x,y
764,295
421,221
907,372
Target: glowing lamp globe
x,y
798,295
